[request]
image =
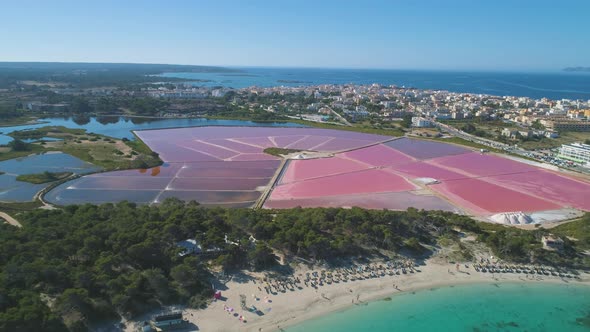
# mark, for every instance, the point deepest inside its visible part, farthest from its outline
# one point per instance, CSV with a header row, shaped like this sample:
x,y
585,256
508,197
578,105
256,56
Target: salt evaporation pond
x,y
223,166
463,180
227,166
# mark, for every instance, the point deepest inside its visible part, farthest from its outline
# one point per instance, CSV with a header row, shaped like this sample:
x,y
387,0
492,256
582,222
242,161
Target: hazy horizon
x,y
230,66
459,35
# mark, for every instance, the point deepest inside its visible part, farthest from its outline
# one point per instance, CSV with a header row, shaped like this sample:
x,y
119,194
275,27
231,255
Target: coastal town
x,y
551,131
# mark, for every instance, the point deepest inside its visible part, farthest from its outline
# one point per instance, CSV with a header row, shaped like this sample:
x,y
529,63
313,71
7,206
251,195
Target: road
x,y
340,117
10,219
537,156
484,141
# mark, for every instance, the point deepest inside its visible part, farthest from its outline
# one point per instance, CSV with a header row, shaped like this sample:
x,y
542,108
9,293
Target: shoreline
x,y
295,307
376,297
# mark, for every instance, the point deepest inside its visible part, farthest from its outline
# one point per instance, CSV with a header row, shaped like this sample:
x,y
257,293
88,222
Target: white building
x,y
577,152
421,122
218,93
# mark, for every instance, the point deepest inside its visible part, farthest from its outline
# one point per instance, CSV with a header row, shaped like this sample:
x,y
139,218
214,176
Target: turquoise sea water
x,y
486,307
554,85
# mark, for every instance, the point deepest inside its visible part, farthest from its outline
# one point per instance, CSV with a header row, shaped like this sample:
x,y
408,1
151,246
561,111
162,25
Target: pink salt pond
x,y
299,170
484,198
367,181
478,164
226,166
378,155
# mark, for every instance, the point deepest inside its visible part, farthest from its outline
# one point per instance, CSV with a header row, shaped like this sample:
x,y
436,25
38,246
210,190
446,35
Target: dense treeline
x,y
94,262
85,75
7,112
80,264
107,105
327,233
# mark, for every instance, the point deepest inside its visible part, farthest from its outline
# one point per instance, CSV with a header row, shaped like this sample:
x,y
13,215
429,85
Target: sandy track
x,y
10,219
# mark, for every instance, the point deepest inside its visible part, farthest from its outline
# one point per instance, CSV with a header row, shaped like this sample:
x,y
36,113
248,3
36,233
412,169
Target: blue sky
x,y
428,34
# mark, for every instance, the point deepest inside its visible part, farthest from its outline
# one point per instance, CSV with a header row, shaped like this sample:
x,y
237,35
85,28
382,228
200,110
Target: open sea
x,y
553,85
473,308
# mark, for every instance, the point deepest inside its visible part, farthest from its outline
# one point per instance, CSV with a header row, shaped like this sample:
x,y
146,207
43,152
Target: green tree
x,y
537,125
469,128
406,121
18,145
261,256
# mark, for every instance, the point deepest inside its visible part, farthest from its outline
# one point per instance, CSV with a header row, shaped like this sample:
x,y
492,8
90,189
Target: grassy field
x,y
107,152
49,131
6,153
21,120
43,177
279,152
12,208
577,229
549,143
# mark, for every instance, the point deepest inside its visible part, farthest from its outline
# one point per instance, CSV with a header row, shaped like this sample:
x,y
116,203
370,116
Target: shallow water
x,y
487,307
121,127
12,190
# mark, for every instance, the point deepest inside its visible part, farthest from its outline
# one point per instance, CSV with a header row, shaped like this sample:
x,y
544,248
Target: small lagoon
x,y
12,190
485,307
121,127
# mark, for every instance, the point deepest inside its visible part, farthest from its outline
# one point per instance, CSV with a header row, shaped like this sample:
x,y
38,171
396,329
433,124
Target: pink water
x,y
253,157
482,197
421,149
339,144
479,164
237,164
310,142
298,170
345,180
182,154
390,201
261,142
378,155
235,146
226,172
425,170
213,150
570,192
284,141
369,181
217,183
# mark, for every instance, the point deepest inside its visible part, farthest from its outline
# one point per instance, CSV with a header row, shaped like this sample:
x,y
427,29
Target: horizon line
x,y
499,70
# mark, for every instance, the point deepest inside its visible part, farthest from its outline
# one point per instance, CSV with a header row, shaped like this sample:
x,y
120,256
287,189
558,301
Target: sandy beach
x,y
292,307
